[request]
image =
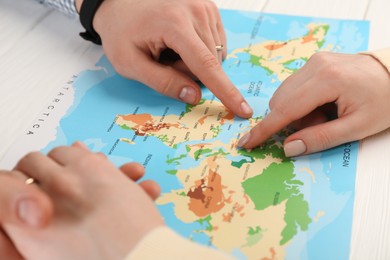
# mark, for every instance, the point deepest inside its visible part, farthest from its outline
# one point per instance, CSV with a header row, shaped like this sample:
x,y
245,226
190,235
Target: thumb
x,y
23,204
166,80
322,136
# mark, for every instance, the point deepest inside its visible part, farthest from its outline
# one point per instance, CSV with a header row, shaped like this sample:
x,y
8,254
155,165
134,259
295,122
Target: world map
x,y
252,204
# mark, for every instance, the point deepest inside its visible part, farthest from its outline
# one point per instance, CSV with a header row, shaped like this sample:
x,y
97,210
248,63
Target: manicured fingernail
x,y
188,95
29,212
244,140
246,109
294,148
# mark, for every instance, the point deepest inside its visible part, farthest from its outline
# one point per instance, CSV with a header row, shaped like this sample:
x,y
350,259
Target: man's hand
x,y
167,45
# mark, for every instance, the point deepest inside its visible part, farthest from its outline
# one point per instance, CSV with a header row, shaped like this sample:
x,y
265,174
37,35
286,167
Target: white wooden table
x,y
40,49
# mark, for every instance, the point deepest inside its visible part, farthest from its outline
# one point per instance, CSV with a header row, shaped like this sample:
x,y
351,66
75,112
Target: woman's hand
x,y
331,100
98,212
22,205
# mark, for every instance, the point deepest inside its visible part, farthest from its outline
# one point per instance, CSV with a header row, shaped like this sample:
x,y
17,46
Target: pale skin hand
x,y
165,44
331,100
15,196
98,212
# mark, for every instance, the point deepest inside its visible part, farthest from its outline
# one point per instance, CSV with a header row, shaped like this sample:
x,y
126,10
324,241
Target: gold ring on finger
x,y
219,47
29,181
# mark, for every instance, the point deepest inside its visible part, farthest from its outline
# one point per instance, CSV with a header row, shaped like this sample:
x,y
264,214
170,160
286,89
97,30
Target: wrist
x,y
382,56
88,9
99,20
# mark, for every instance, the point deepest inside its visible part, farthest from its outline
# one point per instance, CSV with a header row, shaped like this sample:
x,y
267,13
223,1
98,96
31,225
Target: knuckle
x,y
213,6
75,190
323,140
24,161
62,183
164,89
166,85
199,9
281,110
90,160
172,37
174,13
329,68
56,150
30,155
70,182
330,71
68,186
213,9
234,93
209,61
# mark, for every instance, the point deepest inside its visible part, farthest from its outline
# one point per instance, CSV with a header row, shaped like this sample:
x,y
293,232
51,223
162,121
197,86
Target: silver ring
x,y
29,181
219,47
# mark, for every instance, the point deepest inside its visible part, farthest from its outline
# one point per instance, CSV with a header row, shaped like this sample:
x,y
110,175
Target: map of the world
x,y
252,204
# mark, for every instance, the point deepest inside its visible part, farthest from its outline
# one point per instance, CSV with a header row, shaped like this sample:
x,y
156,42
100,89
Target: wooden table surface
x,y
40,50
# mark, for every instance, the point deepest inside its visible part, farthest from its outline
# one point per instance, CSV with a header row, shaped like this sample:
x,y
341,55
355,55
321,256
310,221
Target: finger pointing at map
x,y
168,45
325,106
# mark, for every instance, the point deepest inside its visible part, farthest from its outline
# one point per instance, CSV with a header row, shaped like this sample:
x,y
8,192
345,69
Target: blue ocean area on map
x,y
100,95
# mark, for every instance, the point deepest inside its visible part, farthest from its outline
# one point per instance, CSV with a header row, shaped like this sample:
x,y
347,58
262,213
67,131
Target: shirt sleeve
x,y
382,55
163,243
65,6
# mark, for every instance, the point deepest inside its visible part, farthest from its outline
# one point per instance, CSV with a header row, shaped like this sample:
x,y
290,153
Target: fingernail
x,y
188,95
244,140
294,148
246,109
29,212
80,145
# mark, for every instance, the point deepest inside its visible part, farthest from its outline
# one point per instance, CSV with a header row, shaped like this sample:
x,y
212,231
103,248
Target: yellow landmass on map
x,y
213,189
171,129
126,140
275,56
319,215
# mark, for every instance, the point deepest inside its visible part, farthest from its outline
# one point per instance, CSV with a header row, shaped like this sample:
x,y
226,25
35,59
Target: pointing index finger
x,y
271,124
208,69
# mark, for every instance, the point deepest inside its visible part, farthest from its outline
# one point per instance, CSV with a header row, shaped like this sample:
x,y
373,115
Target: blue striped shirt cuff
x,y
67,7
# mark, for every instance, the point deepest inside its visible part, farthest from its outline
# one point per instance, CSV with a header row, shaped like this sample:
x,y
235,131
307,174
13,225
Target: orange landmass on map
x,y
198,145
144,124
201,120
139,119
151,128
309,37
229,200
206,195
227,217
229,116
273,255
275,46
